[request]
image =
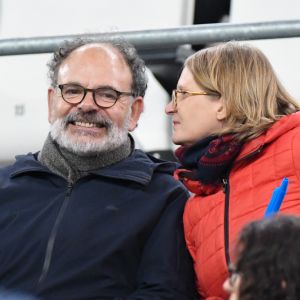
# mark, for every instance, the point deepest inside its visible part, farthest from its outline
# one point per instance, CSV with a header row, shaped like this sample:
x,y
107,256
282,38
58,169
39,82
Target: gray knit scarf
x,y
72,167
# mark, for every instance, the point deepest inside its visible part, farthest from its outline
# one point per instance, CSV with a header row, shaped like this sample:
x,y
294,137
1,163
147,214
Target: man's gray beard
x,y
114,137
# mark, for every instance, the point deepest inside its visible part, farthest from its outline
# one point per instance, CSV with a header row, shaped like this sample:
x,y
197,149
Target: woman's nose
x,y
170,109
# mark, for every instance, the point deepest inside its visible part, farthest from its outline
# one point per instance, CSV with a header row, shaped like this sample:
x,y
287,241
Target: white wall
x,y
283,53
23,78
36,17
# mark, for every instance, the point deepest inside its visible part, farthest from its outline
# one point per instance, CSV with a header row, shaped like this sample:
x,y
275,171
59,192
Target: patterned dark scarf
x,y
209,159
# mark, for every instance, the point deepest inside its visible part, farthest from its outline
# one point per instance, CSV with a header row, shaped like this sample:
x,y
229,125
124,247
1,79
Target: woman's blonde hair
x,y
242,75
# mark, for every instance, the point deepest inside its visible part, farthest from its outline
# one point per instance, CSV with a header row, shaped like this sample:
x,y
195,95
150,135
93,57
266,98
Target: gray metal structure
x,y
163,38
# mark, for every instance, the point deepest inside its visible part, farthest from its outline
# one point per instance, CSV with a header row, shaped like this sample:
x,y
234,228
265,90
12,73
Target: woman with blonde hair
x,y
239,132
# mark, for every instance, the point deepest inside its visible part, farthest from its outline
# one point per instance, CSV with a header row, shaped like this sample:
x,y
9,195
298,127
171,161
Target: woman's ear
x,y
221,110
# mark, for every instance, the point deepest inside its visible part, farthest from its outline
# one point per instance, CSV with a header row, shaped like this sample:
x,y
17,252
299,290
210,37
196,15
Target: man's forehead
x,y
97,60
101,49
95,54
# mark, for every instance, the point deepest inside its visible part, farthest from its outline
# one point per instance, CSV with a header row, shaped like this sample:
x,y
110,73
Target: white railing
x,y
162,38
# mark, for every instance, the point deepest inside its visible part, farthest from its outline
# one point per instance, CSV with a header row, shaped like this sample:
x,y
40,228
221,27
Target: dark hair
x,y
127,50
268,259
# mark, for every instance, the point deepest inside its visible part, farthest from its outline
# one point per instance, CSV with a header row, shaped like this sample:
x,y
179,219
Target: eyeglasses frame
x,y
190,93
93,91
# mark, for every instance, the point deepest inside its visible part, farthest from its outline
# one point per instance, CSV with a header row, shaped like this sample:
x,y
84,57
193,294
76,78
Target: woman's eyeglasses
x,y
178,95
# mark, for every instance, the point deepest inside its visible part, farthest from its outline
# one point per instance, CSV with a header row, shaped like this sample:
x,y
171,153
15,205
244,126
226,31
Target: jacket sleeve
x,y
296,153
166,270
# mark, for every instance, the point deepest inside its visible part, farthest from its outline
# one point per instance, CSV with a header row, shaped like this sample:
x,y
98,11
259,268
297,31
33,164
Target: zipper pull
x,y
225,184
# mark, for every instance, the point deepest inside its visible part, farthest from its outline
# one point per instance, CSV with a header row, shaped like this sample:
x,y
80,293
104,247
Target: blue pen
x,y
277,198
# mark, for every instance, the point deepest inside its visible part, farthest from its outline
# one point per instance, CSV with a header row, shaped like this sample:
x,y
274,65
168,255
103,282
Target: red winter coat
x,y
212,222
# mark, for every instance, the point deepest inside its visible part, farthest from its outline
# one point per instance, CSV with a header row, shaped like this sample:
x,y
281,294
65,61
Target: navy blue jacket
x,y
115,234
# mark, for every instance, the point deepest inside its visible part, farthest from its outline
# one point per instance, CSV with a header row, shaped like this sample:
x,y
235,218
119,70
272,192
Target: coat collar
x,y
280,127
250,148
138,167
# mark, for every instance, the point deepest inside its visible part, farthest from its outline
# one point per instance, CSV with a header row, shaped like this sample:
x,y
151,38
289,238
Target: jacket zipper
x,y
226,188
252,154
226,218
52,237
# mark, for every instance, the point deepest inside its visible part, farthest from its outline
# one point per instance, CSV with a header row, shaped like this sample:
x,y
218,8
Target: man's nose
x,y
88,102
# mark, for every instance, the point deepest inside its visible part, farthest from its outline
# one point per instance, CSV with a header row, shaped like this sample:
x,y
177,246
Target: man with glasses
x,y
90,217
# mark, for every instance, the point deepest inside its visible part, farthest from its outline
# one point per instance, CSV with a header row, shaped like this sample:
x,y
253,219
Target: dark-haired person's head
x,y
267,262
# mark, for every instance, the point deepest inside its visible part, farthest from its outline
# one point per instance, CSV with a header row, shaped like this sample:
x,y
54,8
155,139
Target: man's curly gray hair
x,y
127,50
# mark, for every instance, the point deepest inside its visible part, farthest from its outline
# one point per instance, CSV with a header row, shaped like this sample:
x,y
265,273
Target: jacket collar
x,y
280,127
138,167
250,148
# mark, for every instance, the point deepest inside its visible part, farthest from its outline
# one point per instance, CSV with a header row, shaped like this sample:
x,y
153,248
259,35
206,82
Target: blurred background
x,y
24,82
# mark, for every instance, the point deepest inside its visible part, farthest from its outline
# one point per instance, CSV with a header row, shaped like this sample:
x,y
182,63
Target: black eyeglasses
x,y
176,93
103,97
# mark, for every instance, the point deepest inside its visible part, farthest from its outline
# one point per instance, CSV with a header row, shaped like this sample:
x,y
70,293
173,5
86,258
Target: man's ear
x,y
137,108
50,104
221,110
